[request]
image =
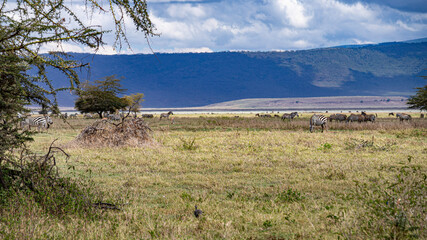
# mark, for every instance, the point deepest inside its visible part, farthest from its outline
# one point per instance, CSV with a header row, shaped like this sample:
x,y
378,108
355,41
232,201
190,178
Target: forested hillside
x,y
198,79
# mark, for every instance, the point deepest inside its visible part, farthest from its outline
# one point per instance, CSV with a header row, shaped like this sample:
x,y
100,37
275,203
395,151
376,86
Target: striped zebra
x,y
356,118
39,122
289,116
263,115
318,120
403,116
147,115
114,117
338,117
165,115
88,116
368,117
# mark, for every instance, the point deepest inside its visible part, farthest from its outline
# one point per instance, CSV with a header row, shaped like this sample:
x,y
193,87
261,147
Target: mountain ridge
x,y
200,79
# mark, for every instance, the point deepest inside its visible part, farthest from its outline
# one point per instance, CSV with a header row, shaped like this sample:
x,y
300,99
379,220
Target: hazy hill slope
x,y
197,79
313,103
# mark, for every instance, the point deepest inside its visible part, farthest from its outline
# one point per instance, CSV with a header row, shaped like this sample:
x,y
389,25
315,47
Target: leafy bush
x,y
394,209
354,144
290,195
188,145
267,223
36,180
325,147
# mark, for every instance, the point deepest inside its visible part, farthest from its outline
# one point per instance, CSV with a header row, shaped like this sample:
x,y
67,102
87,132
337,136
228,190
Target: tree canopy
x,y
101,96
419,100
134,102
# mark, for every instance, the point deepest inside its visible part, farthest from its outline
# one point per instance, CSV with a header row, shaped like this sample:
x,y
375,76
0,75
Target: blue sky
x,y
265,25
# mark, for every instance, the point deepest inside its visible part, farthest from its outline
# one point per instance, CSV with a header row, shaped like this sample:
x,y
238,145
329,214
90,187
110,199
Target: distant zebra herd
x,y
45,121
321,120
285,116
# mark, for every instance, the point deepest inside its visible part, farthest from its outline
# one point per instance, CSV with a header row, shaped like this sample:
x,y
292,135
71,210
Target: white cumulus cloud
x,y
263,25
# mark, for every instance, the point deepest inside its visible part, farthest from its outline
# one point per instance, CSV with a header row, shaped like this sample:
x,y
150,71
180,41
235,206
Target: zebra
x,y
356,117
338,117
39,122
403,116
368,117
166,115
73,115
114,117
263,115
290,116
318,120
147,115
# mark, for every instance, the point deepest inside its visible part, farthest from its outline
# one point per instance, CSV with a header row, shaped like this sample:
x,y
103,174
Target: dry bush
x,y
104,133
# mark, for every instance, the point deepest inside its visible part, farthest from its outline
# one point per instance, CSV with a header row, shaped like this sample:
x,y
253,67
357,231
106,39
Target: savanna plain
x,y
253,178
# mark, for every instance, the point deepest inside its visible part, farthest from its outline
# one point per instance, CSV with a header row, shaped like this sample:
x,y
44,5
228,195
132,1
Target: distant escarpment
x,y
199,79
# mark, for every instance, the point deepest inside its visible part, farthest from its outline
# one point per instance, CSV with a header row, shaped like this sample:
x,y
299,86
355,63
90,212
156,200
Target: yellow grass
x,y
234,169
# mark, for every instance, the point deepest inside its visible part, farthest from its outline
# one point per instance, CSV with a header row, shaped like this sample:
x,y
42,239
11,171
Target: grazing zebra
x,y
318,120
289,116
114,117
368,117
263,115
403,116
338,117
166,115
39,122
88,115
356,118
147,115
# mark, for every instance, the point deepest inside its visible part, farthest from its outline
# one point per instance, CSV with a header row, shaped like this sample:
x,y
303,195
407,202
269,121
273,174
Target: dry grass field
x,y
253,178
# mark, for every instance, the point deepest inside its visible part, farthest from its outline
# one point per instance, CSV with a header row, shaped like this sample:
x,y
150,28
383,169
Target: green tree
x,y
26,27
101,96
419,100
134,102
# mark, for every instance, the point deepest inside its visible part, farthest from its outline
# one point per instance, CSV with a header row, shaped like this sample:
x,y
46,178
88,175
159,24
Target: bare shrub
x,y
28,178
104,133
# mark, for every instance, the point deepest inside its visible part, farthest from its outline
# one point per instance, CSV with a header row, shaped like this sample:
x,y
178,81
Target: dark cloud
x,y
402,5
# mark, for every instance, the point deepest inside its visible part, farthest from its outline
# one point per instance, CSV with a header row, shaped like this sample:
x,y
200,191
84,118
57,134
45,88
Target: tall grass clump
x,y
36,179
32,189
188,144
393,209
